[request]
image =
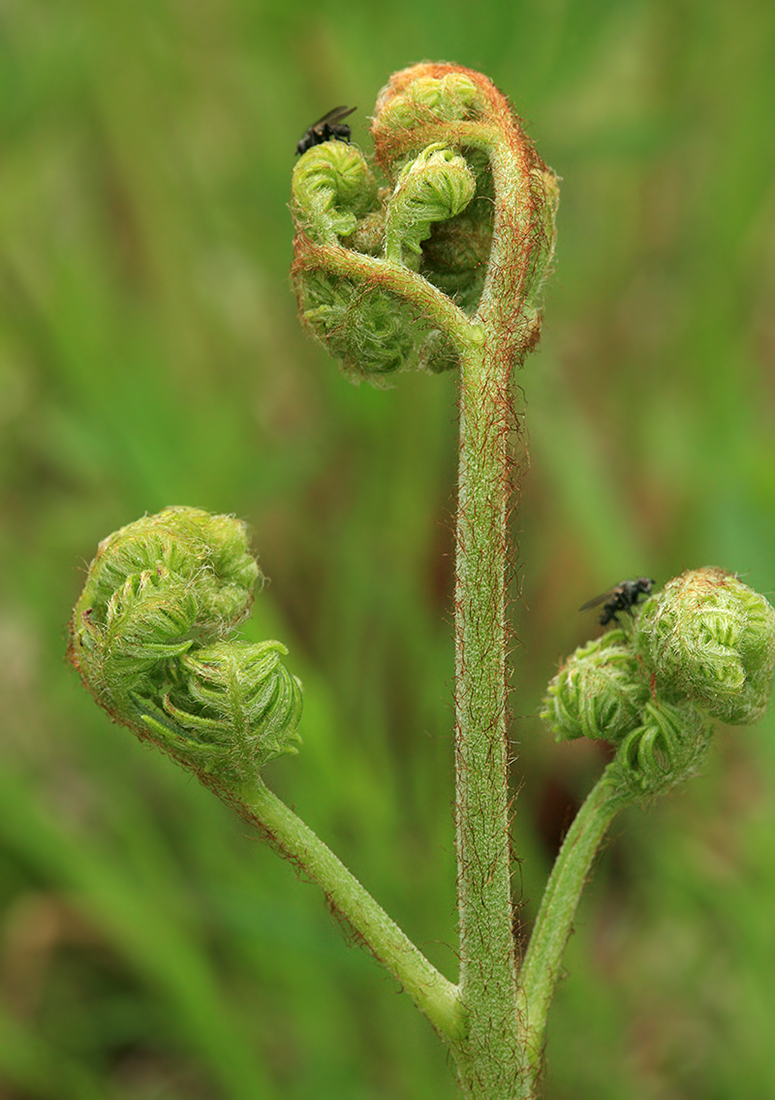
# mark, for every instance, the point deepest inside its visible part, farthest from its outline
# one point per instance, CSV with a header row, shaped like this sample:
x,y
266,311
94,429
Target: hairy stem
x,y
488,961
433,994
450,144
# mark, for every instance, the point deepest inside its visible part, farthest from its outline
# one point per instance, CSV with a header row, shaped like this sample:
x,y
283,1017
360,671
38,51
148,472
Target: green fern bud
x,y
600,692
367,329
229,708
709,638
456,255
369,332
701,648
332,190
507,232
428,94
150,638
667,748
458,243
433,187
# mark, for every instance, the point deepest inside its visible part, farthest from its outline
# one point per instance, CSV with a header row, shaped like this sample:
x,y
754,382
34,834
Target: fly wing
x,y
597,600
336,114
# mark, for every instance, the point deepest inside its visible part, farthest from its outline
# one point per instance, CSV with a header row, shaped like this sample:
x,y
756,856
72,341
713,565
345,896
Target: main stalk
x,y
488,969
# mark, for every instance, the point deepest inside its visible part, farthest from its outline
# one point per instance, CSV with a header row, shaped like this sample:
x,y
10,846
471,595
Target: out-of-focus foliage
x,y
149,355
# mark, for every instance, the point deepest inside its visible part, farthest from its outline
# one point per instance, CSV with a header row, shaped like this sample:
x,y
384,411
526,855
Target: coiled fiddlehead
x,y
151,638
702,648
710,638
397,276
598,693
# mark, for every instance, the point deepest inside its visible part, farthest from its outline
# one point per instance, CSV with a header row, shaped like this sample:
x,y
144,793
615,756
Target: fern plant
x,y
432,256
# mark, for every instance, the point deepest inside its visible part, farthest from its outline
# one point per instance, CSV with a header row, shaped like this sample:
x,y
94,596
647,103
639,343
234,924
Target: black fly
x,y
623,597
328,127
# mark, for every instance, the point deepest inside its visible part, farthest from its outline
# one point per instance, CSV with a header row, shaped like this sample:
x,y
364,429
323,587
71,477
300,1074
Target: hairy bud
x,y
709,638
332,190
507,232
600,692
427,94
368,331
150,638
667,748
433,187
462,236
701,648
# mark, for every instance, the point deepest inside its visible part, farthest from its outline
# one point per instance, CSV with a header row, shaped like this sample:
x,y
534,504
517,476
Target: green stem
x,y
433,994
495,1067
541,966
487,956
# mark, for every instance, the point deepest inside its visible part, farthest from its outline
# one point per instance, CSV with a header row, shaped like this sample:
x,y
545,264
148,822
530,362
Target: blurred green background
x,y
150,947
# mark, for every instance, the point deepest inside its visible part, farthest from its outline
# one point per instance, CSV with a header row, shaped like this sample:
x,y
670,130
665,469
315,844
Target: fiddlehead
x,y
151,638
404,274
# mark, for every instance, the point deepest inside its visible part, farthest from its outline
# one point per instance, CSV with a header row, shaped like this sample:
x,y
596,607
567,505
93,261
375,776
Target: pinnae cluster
x,y
152,638
458,232
702,648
